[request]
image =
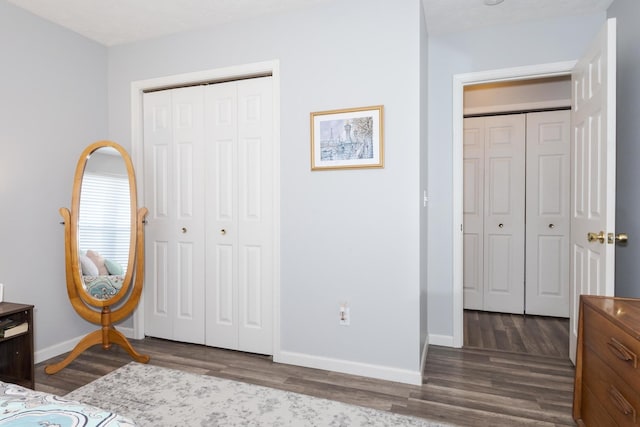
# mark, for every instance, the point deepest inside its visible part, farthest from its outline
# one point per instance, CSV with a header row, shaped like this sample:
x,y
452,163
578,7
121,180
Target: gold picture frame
x,y
350,138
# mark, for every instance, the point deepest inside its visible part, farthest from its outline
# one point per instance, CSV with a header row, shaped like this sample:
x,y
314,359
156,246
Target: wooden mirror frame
x,y
80,299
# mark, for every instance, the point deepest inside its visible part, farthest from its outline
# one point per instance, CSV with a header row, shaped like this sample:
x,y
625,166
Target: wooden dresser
x,y
607,382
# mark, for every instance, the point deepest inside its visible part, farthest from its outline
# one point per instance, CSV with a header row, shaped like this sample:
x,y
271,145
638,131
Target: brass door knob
x,y
592,237
622,238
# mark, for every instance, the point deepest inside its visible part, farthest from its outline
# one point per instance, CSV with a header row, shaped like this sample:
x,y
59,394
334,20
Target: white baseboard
x,y
348,367
66,346
443,340
290,358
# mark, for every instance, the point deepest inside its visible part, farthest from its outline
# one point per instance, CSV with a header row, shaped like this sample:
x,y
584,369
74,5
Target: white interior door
x,y
239,203
504,213
473,213
174,285
547,214
593,153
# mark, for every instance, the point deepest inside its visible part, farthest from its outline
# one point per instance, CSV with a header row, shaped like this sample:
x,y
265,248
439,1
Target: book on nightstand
x,y
9,328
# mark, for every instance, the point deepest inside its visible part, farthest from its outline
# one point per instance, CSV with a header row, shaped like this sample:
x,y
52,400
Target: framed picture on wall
x,y
347,139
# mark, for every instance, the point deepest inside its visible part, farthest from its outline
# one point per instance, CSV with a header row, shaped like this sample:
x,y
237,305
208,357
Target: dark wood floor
x,y
546,336
467,387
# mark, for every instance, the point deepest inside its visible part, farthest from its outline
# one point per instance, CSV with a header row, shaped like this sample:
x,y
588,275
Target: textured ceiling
x,y
457,15
122,21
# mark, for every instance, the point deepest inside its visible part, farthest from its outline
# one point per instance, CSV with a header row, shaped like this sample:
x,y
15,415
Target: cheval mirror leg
x,y
89,340
107,335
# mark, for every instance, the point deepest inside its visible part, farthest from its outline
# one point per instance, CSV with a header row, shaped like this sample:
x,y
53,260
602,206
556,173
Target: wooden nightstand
x,y
16,352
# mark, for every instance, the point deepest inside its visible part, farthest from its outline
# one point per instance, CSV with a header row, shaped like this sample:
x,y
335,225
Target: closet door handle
x,y
184,230
552,226
223,231
500,225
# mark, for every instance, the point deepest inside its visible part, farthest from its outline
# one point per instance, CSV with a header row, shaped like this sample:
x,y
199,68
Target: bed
x,y
20,406
102,278
103,287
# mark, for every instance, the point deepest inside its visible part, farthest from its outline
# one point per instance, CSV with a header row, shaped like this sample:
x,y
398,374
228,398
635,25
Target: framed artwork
x,y
347,139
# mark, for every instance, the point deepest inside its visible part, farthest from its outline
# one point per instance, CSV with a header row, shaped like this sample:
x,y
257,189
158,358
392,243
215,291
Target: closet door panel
x,y
222,318
504,213
473,213
224,171
224,292
188,234
221,177
548,195
251,281
174,137
255,206
185,281
157,144
157,284
499,273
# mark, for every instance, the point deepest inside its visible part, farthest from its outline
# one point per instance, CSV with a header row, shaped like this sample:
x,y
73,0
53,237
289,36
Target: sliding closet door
x,y
174,195
239,205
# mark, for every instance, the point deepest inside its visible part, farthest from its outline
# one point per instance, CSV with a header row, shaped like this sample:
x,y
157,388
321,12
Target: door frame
x,y
257,69
459,83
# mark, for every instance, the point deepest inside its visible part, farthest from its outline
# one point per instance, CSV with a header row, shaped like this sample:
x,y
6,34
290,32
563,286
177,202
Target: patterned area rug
x,y
156,396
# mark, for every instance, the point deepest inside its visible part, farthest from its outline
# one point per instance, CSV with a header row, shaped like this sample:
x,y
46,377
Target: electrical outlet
x,y
345,315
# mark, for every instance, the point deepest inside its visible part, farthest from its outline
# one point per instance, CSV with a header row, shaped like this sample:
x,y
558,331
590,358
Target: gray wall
x,y
498,47
53,103
345,235
627,13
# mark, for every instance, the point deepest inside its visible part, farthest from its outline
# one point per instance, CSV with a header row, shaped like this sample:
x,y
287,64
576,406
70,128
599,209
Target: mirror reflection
x,y
104,223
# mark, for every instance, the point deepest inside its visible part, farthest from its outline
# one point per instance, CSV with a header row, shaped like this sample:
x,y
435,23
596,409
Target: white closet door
x,y
504,213
473,147
547,229
239,128
221,156
173,159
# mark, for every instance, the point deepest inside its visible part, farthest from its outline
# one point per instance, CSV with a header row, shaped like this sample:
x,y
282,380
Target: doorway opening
x,y
592,172
516,216
461,82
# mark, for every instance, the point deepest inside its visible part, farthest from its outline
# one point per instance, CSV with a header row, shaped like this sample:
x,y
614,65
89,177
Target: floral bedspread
x,y
20,406
103,287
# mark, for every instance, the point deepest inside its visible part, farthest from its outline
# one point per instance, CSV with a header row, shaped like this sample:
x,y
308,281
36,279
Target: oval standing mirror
x,y
104,225
104,246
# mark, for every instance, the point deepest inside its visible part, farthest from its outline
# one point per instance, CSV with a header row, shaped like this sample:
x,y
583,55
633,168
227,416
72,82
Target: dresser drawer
x,y
620,400
593,413
614,346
